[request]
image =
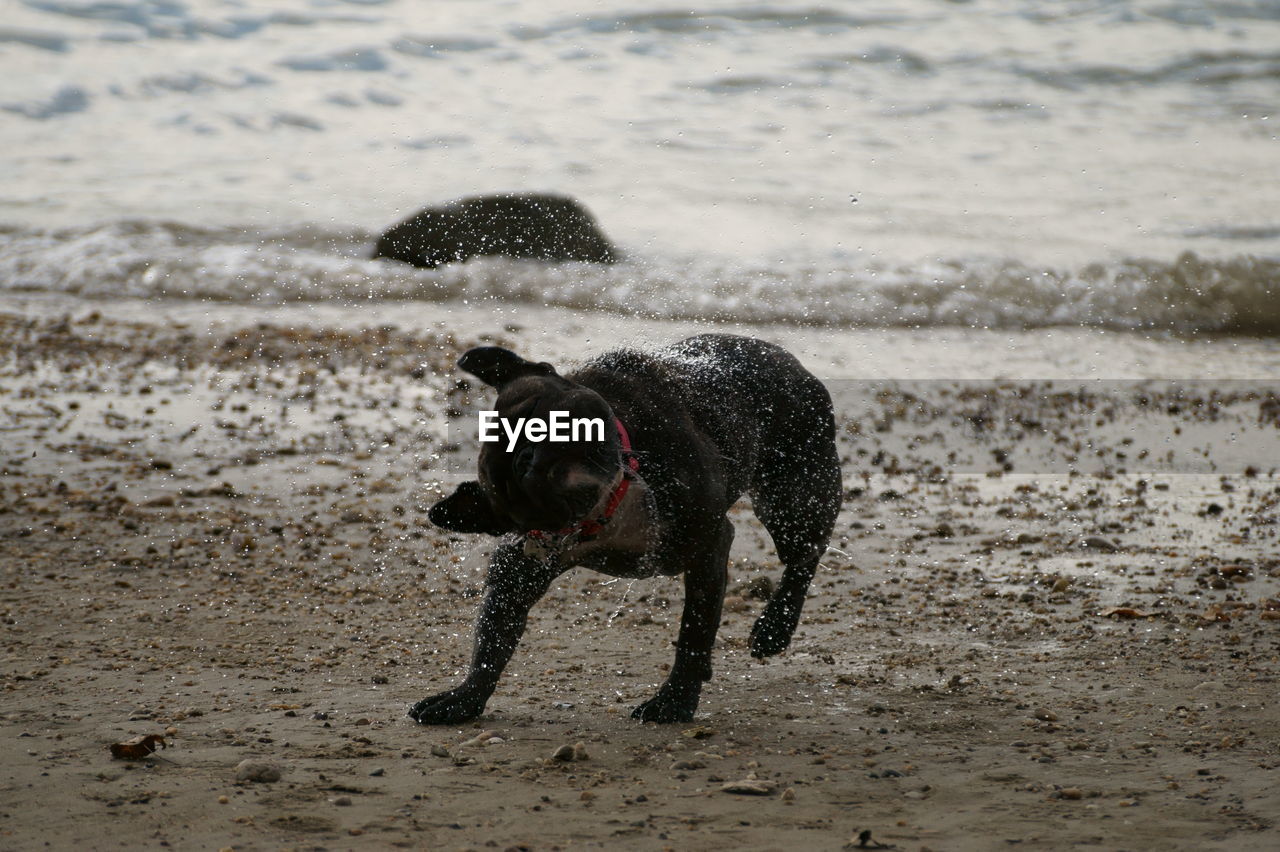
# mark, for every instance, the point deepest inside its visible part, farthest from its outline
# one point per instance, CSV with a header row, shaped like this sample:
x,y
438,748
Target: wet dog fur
x,y
710,418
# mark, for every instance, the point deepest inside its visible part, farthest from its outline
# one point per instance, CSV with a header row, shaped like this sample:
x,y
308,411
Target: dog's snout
x,y
533,465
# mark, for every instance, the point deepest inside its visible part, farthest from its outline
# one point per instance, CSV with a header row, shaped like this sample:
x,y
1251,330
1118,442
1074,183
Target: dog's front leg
x,y
704,584
514,584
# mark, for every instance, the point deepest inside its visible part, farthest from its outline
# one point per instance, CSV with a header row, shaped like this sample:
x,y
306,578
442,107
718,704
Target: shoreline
x,y
935,352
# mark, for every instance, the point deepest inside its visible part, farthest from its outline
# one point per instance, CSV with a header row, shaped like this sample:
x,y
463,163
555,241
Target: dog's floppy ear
x,y
496,366
467,510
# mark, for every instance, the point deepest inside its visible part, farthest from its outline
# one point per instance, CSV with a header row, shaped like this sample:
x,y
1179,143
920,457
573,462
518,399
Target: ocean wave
x,y
1201,68
1238,294
1235,232
436,47
349,59
163,19
703,22
67,99
901,60
54,42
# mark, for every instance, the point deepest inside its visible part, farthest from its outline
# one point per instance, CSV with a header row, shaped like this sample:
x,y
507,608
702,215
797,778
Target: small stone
x,y
701,732
342,801
586,796
1044,714
362,722
439,750
749,787
563,754
258,772
686,765
222,800
378,772
789,795
481,739
1097,542
1071,793
580,752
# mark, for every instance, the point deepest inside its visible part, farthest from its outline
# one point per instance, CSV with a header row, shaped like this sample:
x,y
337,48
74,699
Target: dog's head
x,y
543,485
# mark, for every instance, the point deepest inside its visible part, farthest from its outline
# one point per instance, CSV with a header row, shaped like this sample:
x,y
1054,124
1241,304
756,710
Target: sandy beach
x,y
214,530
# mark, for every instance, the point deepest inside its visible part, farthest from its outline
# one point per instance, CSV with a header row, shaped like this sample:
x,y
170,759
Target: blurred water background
x,y
920,163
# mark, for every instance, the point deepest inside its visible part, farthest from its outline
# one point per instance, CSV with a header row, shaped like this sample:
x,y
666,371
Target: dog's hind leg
x,y
797,497
514,584
704,584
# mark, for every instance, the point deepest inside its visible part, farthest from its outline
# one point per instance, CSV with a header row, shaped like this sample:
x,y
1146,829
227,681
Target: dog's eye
x,y
523,458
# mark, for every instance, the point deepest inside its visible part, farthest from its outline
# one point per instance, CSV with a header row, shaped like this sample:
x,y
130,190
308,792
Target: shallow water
x,y
146,260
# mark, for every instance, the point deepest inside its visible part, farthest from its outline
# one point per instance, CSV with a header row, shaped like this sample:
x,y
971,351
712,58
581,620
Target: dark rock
x,y
522,225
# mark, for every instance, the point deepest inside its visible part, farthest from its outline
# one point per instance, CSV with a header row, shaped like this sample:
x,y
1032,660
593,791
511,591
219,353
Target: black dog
x,y
689,429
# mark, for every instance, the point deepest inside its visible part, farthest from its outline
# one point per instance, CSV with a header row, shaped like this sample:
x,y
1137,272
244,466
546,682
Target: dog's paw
x,y
447,708
772,631
669,705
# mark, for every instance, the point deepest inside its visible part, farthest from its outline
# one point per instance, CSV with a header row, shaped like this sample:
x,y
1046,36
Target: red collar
x,y
590,527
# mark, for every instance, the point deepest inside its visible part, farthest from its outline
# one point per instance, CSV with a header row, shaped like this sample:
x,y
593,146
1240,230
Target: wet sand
x,y
217,533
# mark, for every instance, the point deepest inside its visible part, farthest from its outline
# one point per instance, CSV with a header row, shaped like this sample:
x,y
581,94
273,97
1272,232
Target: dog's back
x,y
755,403
727,415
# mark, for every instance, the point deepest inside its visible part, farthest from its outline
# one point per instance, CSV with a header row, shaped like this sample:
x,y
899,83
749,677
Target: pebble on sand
x,y
569,753
1097,542
482,739
257,772
750,787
